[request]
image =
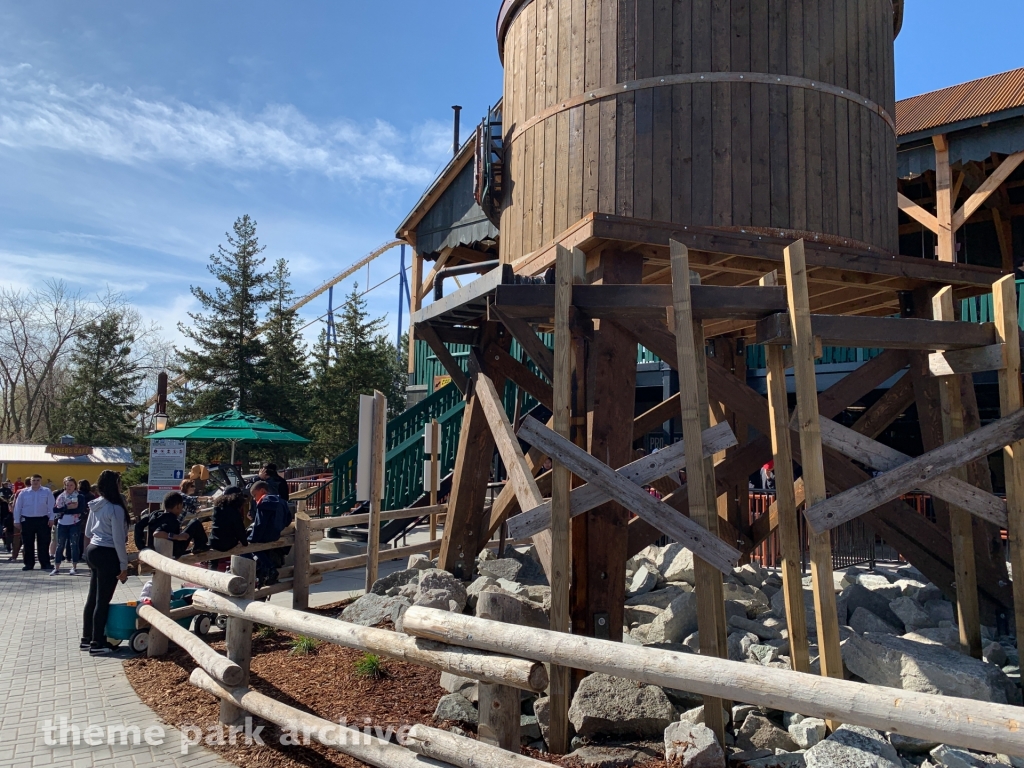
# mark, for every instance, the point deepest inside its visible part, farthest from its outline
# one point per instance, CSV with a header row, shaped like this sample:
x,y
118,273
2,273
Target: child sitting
x,y
167,525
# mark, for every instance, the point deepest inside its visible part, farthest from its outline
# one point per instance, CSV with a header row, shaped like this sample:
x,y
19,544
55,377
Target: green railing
x,y
403,463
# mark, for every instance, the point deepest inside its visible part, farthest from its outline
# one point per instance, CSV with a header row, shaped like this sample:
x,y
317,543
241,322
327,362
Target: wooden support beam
x,y
786,506
882,458
1005,311
503,363
300,577
643,471
429,335
655,417
439,264
695,416
886,409
893,484
960,361
978,725
881,332
687,532
960,525
919,214
990,185
528,339
561,485
499,705
623,301
415,303
819,543
944,201
1004,234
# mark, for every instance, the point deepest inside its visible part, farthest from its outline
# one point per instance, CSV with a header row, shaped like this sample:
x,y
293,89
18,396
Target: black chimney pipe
x,y
456,144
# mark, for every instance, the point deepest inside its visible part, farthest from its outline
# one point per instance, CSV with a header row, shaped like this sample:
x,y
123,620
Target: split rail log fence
x,y
226,676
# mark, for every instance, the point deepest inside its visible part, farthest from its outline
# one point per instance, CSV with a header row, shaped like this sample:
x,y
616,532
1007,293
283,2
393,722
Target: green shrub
x,y
303,646
371,665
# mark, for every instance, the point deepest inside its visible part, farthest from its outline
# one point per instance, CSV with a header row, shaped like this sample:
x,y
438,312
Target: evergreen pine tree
x,y
283,392
364,360
225,363
102,383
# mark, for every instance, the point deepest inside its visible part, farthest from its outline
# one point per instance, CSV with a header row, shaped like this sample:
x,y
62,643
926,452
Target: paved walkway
x,y
45,677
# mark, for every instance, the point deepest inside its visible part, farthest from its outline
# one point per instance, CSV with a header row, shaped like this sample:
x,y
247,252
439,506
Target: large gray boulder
x,y
676,564
863,621
753,600
853,746
436,579
778,602
390,584
644,580
673,624
755,627
371,609
758,732
897,662
693,746
954,757
502,568
913,616
940,611
857,596
612,706
659,598
456,708
808,732
947,636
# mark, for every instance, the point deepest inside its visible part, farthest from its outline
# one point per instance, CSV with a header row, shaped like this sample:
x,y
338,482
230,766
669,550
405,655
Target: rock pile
x,y
897,630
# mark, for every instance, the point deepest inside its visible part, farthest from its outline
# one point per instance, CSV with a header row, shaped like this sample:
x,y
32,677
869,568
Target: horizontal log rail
x,y
963,722
219,667
501,670
344,521
287,539
219,582
369,749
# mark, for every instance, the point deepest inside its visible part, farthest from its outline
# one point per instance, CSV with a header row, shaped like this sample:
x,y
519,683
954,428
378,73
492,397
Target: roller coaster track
x,y
180,381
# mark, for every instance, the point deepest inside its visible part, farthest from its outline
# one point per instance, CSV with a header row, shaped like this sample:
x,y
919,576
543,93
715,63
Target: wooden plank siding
x,y
725,154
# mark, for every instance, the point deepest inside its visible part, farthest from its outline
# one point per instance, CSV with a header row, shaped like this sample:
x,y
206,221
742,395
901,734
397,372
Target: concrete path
x,y
45,677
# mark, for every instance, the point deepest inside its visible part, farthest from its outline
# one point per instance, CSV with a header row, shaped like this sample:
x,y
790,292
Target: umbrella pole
x,y
233,443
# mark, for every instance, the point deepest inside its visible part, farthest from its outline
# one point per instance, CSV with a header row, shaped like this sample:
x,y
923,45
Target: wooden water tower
x,y
763,114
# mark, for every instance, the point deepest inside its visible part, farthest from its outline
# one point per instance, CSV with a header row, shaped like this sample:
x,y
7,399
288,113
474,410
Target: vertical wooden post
x,y
379,447
561,485
160,597
700,485
785,496
1004,307
960,524
415,304
944,199
238,636
820,544
435,448
499,705
300,574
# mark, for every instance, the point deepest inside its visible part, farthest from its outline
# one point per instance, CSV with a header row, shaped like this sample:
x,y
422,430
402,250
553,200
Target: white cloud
x,y
121,127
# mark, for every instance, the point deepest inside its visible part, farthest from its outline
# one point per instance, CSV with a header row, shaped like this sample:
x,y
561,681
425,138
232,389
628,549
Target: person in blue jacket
x,y
272,516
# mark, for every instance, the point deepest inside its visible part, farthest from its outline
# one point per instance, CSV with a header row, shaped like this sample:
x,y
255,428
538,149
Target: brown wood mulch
x,y
323,683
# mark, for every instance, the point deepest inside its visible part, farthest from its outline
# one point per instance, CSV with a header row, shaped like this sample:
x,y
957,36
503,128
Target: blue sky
x,y
132,135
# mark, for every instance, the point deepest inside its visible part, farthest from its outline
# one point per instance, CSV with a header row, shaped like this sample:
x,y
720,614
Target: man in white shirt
x,y
33,518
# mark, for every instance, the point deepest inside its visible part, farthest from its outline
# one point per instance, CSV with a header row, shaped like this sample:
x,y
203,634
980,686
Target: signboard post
x,y
166,468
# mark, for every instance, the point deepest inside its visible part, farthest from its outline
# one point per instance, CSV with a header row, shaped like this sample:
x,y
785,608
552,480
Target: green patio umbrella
x,y
233,427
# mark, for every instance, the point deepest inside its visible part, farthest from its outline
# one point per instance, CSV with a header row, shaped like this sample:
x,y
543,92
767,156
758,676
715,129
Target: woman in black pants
x,y
107,558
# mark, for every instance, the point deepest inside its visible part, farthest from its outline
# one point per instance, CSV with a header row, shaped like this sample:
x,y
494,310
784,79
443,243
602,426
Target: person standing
x,y
85,488
107,557
7,516
68,510
33,519
278,485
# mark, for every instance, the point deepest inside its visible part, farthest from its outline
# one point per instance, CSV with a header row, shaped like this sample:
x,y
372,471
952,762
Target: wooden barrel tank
x,y
773,114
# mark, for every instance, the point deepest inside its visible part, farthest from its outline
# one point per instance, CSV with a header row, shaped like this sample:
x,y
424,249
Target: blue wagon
x,y
123,622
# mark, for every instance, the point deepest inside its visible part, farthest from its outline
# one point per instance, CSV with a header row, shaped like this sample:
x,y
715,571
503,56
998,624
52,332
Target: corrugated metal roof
x,y
966,101
36,454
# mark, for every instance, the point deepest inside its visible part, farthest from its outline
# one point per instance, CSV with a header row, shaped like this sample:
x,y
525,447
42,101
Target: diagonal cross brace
x,y
863,498
640,472
874,455
702,543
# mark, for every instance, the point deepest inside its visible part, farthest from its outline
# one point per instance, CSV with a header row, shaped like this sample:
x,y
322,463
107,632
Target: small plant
x,y
263,632
371,665
303,646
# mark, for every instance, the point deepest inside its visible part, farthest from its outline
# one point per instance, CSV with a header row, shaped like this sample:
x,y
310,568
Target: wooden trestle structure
x,y
619,283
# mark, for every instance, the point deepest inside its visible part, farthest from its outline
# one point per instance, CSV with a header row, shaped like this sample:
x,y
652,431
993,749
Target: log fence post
x,y
160,598
499,705
300,574
238,636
